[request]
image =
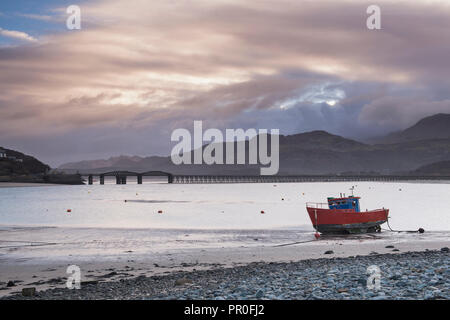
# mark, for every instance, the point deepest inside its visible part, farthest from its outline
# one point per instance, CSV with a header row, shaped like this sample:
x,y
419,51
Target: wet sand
x,y
50,272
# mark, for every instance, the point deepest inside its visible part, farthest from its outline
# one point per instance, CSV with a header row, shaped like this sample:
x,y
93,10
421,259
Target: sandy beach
x,y
422,275
43,266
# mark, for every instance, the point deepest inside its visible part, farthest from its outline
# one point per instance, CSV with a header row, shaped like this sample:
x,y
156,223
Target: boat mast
x,y
351,189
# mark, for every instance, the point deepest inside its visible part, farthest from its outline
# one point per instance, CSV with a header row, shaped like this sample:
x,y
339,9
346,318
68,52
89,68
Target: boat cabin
x,y
344,203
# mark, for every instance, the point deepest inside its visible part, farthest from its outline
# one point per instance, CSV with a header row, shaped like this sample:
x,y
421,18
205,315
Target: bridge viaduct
x,y
121,178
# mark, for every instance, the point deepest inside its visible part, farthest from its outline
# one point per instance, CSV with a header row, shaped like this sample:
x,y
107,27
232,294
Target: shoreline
x,y
28,184
46,273
410,275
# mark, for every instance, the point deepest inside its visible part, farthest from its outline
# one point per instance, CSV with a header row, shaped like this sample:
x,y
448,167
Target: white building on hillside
x,y
2,153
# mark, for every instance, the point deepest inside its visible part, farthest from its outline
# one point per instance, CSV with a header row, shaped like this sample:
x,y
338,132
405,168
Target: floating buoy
x,y
160,211
262,212
124,200
282,199
421,230
317,235
69,210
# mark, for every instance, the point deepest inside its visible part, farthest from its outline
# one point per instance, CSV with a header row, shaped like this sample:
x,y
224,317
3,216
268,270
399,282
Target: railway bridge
x,y
121,178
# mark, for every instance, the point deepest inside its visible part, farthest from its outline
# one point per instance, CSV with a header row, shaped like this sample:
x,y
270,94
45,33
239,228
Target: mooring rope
x,y
289,244
420,230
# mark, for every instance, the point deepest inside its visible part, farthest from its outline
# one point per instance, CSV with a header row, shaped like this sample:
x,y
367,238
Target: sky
x,y
139,69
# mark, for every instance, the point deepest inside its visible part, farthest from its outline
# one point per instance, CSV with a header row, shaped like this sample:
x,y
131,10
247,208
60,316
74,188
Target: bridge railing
x,y
190,179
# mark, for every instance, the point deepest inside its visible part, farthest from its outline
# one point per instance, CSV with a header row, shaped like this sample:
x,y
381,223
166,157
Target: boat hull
x,y
347,220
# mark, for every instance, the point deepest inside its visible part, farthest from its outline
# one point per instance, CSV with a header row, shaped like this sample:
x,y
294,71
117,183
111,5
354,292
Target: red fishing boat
x,y
343,215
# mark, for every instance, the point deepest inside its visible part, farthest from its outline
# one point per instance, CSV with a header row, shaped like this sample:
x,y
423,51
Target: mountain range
x,y
316,152
433,127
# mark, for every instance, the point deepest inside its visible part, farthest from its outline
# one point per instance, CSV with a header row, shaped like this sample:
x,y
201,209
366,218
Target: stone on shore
x,y
29,292
411,275
182,282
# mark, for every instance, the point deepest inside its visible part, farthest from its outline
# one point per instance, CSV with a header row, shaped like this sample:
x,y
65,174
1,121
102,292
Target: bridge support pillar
x,y
90,179
139,179
118,181
102,179
123,180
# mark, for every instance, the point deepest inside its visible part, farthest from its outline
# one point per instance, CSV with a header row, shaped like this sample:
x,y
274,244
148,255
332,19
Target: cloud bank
x,y
139,69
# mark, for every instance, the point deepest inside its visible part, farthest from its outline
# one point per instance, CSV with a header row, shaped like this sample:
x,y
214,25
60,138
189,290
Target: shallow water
x,y
216,206
35,224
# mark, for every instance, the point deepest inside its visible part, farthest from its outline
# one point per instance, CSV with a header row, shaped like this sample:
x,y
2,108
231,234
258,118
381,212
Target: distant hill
x,y
120,161
321,140
310,145
441,168
19,167
316,152
23,164
433,127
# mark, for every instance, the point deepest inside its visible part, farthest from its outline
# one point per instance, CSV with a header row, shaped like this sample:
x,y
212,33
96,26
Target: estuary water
x,y
216,206
155,217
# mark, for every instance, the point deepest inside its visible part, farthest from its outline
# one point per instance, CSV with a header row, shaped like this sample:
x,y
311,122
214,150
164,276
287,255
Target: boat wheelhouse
x,y
344,203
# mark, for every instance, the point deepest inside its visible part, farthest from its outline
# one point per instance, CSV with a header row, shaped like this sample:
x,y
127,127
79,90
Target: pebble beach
x,y
410,275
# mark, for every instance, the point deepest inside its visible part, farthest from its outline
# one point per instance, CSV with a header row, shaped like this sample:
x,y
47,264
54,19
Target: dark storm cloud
x,y
140,69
